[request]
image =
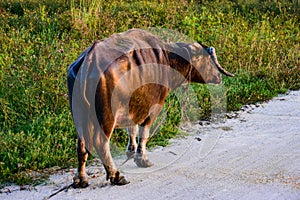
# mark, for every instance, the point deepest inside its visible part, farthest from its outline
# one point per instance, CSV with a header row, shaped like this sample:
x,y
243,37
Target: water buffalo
x,y
123,81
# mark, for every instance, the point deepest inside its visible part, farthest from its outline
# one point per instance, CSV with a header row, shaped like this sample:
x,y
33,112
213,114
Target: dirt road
x,y
254,155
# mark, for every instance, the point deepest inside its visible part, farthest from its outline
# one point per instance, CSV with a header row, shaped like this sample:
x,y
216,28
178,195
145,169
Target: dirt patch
x,y
254,154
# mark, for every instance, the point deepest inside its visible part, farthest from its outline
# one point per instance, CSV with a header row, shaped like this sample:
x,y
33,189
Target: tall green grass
x,y
257,40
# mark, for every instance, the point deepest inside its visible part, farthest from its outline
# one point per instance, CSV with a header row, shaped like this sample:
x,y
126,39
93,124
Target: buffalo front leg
x,y
141,158
131,147
80,180
101,144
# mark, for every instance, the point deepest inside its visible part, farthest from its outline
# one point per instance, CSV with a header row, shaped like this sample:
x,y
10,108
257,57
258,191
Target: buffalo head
x,y
205,67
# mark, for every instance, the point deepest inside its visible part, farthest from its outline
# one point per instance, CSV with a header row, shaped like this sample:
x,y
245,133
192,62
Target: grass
x,y
257,40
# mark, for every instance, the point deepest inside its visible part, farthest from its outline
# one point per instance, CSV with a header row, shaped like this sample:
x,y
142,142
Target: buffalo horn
x,y
212,52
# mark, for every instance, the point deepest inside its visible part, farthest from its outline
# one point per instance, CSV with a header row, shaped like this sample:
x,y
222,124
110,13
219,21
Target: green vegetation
x,y
257,40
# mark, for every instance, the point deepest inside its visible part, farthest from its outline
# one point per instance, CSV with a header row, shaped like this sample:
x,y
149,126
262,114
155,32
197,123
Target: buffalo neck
x,y
182,66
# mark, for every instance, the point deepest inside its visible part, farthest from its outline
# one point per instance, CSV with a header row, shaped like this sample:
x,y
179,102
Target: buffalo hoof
x,y
80,183
130,154
118,180
142,162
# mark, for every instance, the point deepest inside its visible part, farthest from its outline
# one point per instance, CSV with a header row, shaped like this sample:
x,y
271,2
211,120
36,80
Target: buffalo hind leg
x,y
141,158
131,147
80,180
101,144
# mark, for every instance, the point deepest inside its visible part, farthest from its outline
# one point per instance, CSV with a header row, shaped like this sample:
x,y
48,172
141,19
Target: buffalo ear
x,y
203,45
